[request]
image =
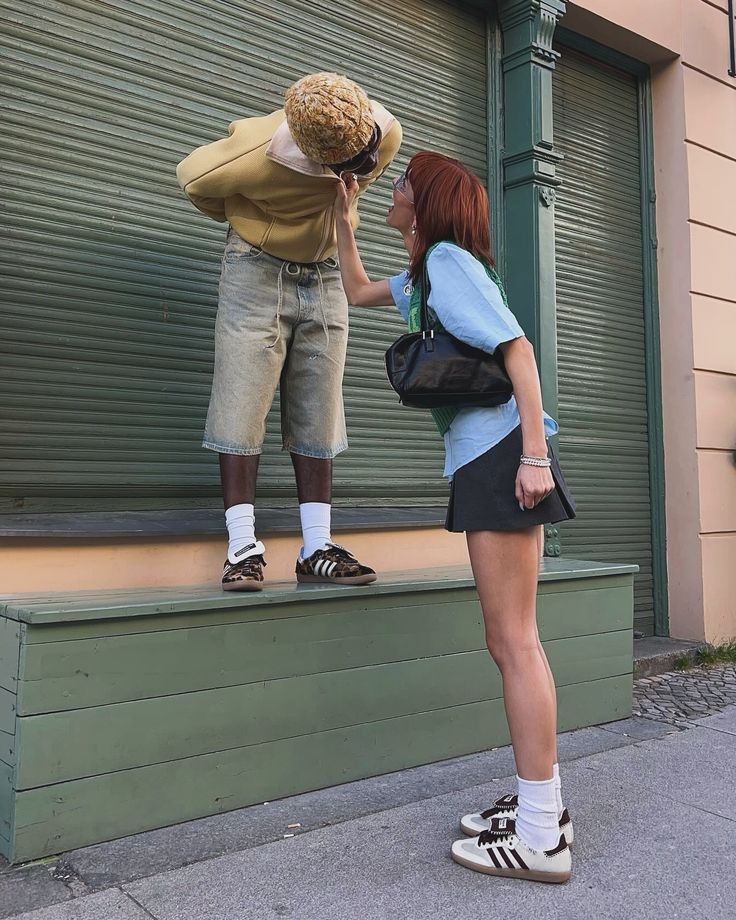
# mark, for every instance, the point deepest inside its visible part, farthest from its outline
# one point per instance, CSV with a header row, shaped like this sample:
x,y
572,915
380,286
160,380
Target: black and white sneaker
x,y
507,807
499,851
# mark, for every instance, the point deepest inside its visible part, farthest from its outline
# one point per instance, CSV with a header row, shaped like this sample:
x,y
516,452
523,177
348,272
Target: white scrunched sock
x,y
315,518
241,529
537,820
558,788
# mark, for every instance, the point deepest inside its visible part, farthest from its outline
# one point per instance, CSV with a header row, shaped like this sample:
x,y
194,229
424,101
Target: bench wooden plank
x,y
7,712
78,673
7,807
62,630
68,745
9,653
102,605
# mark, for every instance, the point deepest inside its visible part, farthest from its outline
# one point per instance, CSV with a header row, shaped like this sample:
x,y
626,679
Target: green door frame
x,y
494,96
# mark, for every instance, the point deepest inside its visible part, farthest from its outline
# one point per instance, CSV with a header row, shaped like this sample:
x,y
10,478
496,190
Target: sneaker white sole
x,y
472,825
326,580
243,586
468,859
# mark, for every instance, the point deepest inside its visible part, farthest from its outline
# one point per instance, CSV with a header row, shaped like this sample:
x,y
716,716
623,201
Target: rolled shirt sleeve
x,y
401,292
466,301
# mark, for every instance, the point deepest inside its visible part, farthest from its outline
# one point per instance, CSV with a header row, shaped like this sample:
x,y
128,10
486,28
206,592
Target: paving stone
x,y
107,905
683,696
24,888
640,729
722,722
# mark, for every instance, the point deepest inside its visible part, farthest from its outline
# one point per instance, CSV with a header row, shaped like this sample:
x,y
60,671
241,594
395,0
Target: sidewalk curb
x,y
657,654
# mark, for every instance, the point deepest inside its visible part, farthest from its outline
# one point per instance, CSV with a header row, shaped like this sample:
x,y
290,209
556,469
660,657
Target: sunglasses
x,y
400,183
366,160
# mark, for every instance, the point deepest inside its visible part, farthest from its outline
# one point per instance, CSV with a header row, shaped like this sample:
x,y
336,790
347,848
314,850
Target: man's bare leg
x,y
238,475
244,566
313,479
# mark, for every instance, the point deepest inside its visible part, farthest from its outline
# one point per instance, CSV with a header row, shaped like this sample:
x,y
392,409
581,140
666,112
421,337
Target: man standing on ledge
x,y
282,313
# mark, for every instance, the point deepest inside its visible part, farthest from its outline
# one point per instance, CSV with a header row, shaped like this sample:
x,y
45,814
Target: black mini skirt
x,y
482,493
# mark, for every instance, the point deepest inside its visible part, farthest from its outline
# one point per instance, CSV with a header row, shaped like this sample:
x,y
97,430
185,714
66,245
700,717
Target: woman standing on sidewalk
x,y
506,482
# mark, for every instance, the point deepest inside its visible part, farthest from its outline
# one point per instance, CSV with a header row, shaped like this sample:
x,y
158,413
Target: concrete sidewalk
x,y
654,807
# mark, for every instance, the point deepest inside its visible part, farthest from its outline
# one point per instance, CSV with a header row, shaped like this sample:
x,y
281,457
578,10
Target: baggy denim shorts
x,y
278,323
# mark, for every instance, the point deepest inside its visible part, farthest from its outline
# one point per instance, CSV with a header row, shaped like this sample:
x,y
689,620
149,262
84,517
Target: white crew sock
x,y
241,531
538,821
315,517
558,788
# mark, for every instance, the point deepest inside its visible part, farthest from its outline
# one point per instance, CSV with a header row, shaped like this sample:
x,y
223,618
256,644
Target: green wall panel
x,y
602,354
110,275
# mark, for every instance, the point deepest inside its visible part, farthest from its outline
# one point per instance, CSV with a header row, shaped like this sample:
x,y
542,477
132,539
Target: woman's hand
x,y
533,485
347,192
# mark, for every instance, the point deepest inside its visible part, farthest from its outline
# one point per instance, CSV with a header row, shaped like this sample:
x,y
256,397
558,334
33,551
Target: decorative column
x,y
529,163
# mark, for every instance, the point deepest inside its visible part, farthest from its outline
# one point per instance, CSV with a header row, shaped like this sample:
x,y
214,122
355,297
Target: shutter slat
x,y
604,439
111,275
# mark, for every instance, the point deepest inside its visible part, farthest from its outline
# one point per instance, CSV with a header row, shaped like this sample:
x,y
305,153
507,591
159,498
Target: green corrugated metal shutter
x,y
111,275
600,319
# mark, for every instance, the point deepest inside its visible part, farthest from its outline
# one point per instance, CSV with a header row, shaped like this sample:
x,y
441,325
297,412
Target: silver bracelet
x,y
536,461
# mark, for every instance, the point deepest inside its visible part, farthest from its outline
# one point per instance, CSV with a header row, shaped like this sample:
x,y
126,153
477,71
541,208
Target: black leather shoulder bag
x,y
431,369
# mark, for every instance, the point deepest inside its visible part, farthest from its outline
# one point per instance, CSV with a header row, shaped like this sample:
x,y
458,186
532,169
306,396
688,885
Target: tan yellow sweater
x,y
259,181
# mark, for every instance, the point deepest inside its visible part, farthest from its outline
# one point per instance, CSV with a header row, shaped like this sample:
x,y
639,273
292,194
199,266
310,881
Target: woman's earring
x,y
414,228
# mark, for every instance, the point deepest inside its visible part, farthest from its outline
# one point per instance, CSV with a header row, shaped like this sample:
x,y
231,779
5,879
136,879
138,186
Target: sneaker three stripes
x,y
500,851
333,564
324,567
503,858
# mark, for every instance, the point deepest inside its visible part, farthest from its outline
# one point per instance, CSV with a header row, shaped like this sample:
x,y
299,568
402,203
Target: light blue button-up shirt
x,y
470,307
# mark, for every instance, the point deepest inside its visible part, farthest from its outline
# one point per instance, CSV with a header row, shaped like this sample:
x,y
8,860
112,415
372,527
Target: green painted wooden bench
x,y
122,712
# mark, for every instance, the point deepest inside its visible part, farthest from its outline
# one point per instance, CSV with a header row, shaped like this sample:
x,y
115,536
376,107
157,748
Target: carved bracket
x,y
547,196
546,22
552,544
534,23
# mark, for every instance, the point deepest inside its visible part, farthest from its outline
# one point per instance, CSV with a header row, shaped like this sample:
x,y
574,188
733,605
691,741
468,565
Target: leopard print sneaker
x,y
333,565
245,574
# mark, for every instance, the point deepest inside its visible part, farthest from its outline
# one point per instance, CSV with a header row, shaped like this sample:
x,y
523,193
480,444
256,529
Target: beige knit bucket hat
x,y
329,116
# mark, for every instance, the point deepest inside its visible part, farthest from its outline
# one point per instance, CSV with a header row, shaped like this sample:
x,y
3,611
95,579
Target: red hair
x,y
450,203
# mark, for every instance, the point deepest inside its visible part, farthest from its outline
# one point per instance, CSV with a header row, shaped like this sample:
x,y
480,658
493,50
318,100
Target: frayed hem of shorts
x,y
317,455
238,451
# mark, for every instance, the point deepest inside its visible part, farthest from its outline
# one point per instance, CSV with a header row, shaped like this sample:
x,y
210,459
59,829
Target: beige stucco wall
x,y
694,109
90,565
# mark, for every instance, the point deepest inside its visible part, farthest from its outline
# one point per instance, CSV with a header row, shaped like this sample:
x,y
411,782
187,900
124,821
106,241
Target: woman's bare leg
x,y
540,538
506,566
